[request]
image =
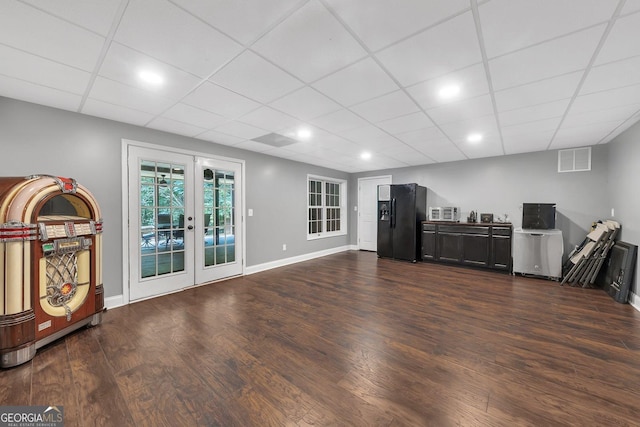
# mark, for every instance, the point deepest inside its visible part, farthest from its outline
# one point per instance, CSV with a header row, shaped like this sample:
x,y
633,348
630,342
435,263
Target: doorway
x,y
185,220
367,211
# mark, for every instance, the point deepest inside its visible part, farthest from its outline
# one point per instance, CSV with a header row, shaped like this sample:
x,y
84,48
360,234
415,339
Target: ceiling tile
x,y
339,121
386,107
269,119
123,65
194,116
581,136
369,137
356,83
534,113
546,125
508,25
258,147
489,147
190,45
607,99
622,41
527,142
127,96
441,150
612,75
30,92
48,36
255,78
451,46
406,123
631,6
471,80
93,107
24,66
462,110
173,126
616,114
94,15
243,20
241,130
458,131
543,91
550,59
305,104
310,43
216,99
404,153
421,136
220,138
398,21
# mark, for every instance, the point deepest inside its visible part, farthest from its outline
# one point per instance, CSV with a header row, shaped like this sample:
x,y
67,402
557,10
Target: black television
x,y
539,216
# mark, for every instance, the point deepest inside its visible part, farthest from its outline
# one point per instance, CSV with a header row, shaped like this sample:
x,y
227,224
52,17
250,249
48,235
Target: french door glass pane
x,y
161,218
219,233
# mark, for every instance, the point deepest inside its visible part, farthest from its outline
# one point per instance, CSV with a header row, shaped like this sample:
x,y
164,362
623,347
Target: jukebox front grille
x,y
62,280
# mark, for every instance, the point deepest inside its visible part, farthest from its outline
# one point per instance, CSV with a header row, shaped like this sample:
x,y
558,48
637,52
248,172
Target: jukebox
x,y
50,263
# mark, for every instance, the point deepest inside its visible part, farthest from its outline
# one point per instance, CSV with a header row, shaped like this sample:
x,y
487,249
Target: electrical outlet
x,y
612,212
284,247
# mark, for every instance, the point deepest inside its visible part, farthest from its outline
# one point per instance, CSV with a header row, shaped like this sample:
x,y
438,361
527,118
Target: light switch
x,y
250,212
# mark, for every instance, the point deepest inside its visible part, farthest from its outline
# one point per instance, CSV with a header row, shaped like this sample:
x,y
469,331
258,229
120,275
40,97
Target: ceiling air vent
x,y
574,160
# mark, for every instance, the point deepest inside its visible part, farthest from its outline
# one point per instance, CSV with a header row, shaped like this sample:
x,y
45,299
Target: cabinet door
x,y
502,252
475,249
428,244
449,247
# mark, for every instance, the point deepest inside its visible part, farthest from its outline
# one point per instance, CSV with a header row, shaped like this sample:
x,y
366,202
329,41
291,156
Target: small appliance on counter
x,y
472,217
486,218
448,213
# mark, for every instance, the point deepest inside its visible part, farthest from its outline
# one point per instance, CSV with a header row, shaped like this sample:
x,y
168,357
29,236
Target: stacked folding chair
x,y
585,261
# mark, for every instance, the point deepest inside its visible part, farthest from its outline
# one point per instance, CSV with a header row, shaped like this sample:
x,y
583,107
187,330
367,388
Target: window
x,y
326,207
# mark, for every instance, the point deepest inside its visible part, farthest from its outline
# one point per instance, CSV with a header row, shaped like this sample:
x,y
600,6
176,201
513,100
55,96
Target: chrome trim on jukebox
x,y
18,357
67,185
16,231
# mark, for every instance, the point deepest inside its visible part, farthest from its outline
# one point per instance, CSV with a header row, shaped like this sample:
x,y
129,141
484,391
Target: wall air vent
x,y
574,160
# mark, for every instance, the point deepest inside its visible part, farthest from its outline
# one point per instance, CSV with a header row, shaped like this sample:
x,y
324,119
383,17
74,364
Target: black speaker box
x,y
616,275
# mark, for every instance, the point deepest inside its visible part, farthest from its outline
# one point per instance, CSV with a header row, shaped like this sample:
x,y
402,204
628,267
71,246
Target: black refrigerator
x,y
401,209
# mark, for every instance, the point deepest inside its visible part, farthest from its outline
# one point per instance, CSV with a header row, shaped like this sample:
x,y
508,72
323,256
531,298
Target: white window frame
x,y
343,208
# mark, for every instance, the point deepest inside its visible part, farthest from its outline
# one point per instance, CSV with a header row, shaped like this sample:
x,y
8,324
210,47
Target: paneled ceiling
x,y
327,81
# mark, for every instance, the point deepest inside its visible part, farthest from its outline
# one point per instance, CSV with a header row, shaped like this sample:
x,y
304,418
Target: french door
x,y
185,218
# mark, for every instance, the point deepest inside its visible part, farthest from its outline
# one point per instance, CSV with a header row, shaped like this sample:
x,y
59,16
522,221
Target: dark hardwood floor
x,y
349,339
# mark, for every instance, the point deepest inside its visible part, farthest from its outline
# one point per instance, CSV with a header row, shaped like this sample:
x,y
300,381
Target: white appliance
x,y
538,252
448,213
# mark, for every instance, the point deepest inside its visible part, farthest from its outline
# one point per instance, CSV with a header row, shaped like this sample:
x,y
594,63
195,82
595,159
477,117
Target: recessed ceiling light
x,y
365,155
449,91
474,138
151,77
303,133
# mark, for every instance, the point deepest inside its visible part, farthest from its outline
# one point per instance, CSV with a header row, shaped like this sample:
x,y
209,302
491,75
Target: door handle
x,y
190,227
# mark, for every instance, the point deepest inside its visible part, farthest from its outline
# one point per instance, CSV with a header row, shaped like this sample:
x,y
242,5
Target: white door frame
x,y
125,143
387,180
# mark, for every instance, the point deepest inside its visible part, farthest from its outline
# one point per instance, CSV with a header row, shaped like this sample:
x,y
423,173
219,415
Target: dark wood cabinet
x,y
428,241
479,245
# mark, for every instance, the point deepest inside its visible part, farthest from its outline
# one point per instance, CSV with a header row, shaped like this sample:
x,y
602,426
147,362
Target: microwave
x,y
448,213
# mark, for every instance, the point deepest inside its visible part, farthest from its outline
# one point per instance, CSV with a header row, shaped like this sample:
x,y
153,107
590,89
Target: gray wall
x,y
500,185
37,139
624,176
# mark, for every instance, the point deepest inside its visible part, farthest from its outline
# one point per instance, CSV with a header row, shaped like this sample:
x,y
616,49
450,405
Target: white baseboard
x,y
634,300
113,302
286,261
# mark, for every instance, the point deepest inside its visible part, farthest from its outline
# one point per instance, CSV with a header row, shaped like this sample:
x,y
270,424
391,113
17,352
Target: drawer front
x,y
502,231
462,229
428,227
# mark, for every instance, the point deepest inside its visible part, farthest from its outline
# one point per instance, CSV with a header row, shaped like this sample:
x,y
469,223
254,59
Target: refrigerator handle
x,y
393,213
